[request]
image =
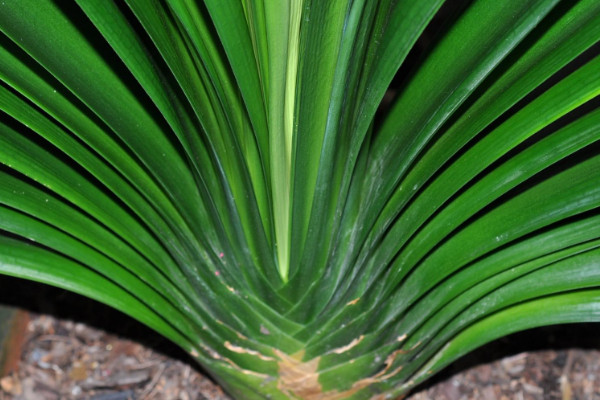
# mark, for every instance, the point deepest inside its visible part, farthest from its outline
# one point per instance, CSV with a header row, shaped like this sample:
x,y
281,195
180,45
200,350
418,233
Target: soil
x,y
107,356
551,363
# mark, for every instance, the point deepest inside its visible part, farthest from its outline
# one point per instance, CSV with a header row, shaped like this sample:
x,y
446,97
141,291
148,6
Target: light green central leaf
x,y
283,35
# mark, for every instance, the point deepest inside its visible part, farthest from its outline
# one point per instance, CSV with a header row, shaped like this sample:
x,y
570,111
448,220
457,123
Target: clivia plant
x,y
315,199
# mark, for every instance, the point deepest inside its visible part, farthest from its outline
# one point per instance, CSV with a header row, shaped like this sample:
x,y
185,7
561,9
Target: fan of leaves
x,y
315,199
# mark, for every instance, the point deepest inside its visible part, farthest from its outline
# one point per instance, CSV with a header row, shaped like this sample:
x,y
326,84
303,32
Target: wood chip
x,y
78,372
11,385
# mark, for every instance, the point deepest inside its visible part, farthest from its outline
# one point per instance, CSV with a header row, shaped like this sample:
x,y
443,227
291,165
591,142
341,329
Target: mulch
x,y
572,374
63,359
105,356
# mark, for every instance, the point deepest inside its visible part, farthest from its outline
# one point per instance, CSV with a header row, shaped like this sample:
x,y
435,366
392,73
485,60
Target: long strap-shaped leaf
x,y
338,152
530,71
63,59
354,242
